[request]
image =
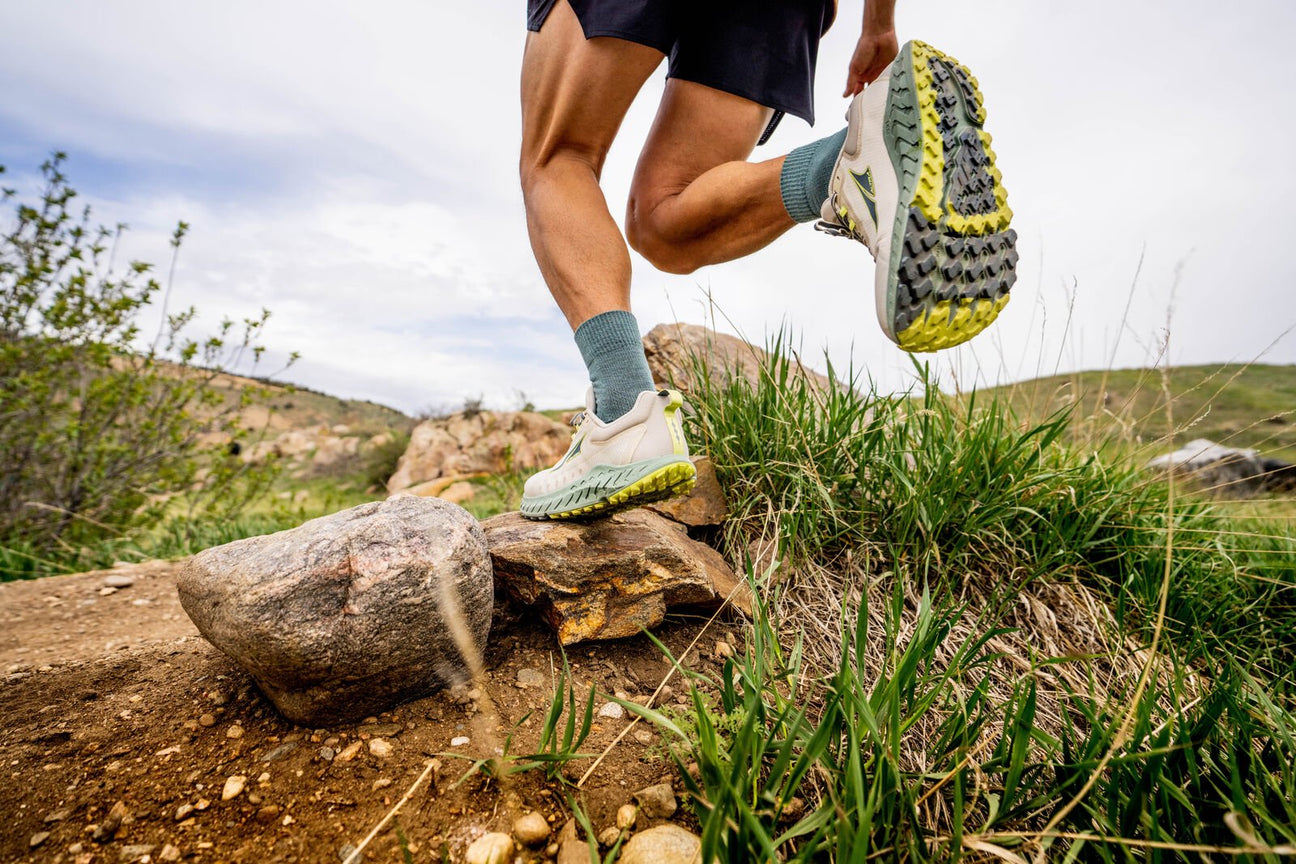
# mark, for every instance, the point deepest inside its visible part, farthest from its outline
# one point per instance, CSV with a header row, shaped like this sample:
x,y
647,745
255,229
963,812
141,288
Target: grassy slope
x,y
1241,406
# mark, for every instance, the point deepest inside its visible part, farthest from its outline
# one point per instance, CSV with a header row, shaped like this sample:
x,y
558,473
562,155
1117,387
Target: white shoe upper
x,y
651,429
865,162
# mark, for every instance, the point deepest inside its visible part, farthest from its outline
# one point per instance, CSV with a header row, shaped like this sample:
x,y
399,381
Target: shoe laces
x,y
837,229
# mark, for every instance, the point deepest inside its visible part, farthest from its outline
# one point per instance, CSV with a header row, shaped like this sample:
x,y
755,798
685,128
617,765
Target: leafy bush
x,y
103,431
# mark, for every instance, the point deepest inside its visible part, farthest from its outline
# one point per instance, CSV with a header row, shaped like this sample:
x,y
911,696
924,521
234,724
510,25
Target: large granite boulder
x,y
1227,471
350,614
481,442
671,350
611,577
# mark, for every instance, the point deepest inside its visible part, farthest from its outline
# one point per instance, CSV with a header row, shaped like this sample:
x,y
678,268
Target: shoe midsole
x,y
600,482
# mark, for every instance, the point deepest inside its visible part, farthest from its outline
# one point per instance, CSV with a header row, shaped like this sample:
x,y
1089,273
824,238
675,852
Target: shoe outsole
x,y
668,481
953,257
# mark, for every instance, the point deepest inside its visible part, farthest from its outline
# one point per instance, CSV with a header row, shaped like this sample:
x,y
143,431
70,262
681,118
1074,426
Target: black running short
x,y
762,50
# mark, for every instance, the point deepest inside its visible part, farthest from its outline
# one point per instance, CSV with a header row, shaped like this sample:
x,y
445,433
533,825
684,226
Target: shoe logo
x,y
571,453
865,183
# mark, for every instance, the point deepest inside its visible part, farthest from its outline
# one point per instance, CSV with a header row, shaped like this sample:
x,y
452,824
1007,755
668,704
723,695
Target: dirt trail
x,y
113,697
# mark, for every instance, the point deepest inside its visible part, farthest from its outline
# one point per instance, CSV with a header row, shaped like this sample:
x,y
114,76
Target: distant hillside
x,y
295,407
1241,406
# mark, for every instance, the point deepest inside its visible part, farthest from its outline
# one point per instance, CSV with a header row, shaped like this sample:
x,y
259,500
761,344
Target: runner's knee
x,y
540,160
644,233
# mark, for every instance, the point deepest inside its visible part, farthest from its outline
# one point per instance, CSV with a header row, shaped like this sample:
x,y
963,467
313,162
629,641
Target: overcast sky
x,y
352,167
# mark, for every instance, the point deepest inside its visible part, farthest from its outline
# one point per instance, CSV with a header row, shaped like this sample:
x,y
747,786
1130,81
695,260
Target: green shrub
x,y
105,429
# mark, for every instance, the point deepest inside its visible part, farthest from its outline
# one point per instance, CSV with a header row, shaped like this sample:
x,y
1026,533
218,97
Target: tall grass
x,y
933,726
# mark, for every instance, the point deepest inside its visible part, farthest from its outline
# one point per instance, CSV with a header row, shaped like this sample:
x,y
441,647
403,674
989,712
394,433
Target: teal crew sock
x,y
614,356
807,171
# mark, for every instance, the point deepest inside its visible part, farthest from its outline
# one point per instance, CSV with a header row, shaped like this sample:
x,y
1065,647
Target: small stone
x,y
235,731
530,678
625,818
493,848
612,711
38,838
207,720
287,820
327,753
233,786
264,778
609,836
279,752
793,810
643,736
118,580
551,851
268,813
76,848
169,853
381,783
665,844
571,849
349,752
183,810
202,804
723,650
220,697
657,802
135,852
107,592
380,748
58,816
460,741
106,829
531,829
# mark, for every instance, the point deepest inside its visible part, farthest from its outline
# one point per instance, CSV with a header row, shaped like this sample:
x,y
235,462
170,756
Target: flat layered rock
x,y
350,614
704,506
608,578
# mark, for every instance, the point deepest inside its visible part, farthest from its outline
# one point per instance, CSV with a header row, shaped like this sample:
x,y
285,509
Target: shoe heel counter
x,y
664,434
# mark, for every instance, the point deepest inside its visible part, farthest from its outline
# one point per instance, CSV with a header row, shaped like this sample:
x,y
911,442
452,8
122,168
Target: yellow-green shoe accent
x,y
953,257
671,480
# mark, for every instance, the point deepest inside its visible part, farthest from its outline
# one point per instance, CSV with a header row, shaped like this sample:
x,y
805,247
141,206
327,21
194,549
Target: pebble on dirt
x,y
108,827
233,786
380,748
657,802
625,818
38,838
531,829
531,678
493,848
612,711
118,580
182,811
665,844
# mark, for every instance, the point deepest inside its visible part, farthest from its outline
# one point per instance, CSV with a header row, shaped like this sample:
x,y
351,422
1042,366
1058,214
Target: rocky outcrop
x,y
321,445
672,351
483,442
1227,471
607,578
350,614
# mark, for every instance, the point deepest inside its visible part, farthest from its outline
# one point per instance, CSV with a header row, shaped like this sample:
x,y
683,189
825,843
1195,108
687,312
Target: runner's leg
x,y
695,200
575,93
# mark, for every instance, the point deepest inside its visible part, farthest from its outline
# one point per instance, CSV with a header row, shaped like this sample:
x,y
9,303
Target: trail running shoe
x,y
636,459
916,183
